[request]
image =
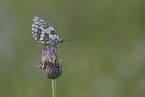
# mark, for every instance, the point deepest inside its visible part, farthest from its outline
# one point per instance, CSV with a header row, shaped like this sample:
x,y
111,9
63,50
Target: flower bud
x,y
51,66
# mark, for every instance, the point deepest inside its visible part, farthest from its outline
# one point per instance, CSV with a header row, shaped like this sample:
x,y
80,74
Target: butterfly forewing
x,y
44,33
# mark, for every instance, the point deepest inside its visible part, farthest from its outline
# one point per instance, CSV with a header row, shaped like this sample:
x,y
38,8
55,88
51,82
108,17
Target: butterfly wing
x,y
43,32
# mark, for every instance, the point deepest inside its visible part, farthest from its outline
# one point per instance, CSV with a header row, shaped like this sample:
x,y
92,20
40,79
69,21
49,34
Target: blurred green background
x,y
106,57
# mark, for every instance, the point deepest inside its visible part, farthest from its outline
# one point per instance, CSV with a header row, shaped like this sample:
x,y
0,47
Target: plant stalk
x,y
53,87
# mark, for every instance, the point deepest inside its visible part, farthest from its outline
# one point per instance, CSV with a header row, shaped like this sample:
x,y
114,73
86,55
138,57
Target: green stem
x,y
53,87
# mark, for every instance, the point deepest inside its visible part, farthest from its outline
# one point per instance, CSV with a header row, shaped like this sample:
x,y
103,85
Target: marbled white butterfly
x,y
44,33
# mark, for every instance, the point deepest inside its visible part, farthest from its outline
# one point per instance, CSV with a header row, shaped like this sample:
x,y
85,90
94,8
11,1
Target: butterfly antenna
x,y
66,39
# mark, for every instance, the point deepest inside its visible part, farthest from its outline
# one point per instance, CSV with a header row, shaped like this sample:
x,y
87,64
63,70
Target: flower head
x,y
50,64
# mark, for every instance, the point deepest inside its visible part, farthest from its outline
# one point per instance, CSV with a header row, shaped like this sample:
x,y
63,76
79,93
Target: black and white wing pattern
x,y
44,33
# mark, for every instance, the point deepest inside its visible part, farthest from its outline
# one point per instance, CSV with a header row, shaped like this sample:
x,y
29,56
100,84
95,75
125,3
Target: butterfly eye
x,y
61,41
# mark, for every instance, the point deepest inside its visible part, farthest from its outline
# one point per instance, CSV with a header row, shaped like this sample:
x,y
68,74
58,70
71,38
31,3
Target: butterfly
x,y
44,33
